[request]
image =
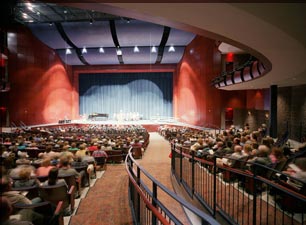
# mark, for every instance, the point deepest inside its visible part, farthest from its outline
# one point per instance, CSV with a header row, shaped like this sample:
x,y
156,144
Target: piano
x,y
96,116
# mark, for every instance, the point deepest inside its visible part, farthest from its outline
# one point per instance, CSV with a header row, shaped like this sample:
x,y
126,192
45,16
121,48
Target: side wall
x,y
291,105
197,102
41,90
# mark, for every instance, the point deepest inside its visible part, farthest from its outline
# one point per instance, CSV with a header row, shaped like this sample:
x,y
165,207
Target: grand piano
x,y
97,116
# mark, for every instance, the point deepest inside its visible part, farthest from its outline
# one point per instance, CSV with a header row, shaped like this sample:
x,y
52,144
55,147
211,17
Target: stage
x,y
151,125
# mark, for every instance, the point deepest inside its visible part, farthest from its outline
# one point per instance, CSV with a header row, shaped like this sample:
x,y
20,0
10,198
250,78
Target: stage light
x,y
68,51
118,51
153,49
90,21
101,50
84,50
136,49
171,49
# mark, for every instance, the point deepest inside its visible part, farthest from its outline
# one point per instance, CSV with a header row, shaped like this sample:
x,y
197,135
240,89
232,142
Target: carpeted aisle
x,y
107,201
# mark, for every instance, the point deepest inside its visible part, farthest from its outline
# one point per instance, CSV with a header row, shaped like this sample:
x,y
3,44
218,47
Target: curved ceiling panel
x,y
85,34
138,33
144,56
179,37
48,34
70,59
172,57
94,57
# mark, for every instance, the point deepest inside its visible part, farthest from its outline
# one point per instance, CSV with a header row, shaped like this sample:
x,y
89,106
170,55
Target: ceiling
x,y
272,32
87,37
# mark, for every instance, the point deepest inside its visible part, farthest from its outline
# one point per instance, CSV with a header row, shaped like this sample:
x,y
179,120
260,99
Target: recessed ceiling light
x,y
136,49
68,51
84,50
119,52
171,49
153,49
101,50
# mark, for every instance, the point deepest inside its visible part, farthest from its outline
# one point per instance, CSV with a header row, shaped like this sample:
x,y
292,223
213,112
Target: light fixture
x,y
90,21
50,24
101,50
136,49
171,49
153,49
24,15
68,51
84,50
119,52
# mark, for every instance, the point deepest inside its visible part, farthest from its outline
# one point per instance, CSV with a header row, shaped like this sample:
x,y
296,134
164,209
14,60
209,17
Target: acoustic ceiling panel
x,y
70,59
84,34
138,33
144,56
94,57
179,37
172,57
49,35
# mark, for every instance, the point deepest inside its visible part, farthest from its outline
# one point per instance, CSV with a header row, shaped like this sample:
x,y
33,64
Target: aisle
x,y
106,203
157,162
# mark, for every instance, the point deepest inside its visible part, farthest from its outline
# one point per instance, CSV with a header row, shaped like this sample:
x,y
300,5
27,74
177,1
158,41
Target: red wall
x,y
195,101
41,90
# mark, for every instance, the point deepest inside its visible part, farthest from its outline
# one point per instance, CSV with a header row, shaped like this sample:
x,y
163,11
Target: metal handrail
x,y
150,198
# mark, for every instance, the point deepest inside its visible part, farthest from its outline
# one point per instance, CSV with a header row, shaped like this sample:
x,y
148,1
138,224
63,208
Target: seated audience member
x,y
66,153
276,155
65,169
73,147
25,179
235,156
49,152
197,146
99,153
23,159
297,170
91,163
262,158
16,171
82,151
44,168
15,197
6,211
53,178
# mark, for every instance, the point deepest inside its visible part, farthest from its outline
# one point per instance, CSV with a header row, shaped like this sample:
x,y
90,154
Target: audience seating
x,y
57,193
100,163
114,156
46,209
71,181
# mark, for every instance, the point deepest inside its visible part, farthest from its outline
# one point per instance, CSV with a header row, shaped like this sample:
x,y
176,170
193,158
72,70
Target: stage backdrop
x,y
149,94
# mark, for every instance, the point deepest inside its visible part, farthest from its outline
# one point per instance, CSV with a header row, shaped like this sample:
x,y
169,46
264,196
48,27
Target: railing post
x,y
181,164
173,157
192,173
154,221
215,188
138,196
254,197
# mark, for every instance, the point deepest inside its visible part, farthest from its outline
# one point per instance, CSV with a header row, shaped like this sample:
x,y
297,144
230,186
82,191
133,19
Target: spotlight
x,y
84,50
91,21
68,51
153,49
101,50
119,52
171,49
136,49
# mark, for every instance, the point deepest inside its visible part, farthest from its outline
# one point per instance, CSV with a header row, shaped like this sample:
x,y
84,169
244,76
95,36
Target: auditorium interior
x,y
168,113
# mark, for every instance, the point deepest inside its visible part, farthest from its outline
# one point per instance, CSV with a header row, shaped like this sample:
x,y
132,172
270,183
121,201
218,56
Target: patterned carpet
x,y
107,201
